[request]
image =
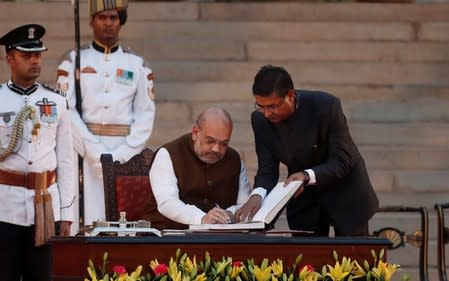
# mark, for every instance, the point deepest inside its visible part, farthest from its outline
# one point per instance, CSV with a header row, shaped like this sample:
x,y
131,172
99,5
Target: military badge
x,y
48,111
7,116
124,77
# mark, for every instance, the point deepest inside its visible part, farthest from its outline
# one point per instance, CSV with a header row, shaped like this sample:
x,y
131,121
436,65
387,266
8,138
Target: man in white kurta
x,y
35,160
117,102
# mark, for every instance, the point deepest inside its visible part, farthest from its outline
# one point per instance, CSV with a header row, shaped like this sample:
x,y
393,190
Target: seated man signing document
x,y
198,178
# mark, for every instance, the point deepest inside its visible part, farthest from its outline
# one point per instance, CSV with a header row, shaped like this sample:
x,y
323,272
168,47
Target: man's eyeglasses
x,y
270,108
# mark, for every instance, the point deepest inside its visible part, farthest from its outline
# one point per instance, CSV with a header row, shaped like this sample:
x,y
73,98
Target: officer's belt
x,y
28,180
109,129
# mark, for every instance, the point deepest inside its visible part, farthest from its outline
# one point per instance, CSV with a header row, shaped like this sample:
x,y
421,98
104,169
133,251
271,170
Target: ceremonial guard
x,y
36,178
117,100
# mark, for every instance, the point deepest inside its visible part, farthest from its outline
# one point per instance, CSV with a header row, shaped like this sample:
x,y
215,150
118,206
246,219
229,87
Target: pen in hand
x,y
227,217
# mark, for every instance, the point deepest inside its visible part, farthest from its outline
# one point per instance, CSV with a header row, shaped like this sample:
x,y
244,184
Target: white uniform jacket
x,y
50,149
116,89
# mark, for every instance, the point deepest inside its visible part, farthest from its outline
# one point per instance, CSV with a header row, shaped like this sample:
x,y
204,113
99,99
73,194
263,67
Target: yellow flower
x,y
173,270
337,273
222,265
277,268
236,271
384,271
153,264
201,277
262,274
189,265
307,274
92,274
312,276
346,265
357,270
134,275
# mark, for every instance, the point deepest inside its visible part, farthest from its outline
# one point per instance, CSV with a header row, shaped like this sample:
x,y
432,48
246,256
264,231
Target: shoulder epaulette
x,y
59,92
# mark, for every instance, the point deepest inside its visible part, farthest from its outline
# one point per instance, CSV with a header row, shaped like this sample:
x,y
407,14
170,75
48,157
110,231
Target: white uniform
x,y
50,149
116,88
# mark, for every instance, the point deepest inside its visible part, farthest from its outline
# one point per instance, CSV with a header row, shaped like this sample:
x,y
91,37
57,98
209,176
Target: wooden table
x,y
70,255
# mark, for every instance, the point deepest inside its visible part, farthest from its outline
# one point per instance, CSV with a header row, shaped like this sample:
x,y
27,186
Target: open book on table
x,y
271,206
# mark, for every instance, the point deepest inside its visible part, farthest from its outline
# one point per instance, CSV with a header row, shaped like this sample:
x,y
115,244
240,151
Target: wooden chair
x,y
443,239
127,186
399,238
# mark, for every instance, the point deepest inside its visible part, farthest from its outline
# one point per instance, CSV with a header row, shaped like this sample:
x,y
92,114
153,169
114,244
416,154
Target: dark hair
x,y
272,79
123,16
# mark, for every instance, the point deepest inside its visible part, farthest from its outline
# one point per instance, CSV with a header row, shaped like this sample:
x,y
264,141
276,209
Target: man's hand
x,y
217,216
294,177
247,211
64,228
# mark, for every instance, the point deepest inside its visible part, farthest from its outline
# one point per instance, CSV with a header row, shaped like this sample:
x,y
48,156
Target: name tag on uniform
x,y
124,77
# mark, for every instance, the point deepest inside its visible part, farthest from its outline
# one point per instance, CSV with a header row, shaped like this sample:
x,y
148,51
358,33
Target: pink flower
x,y
160,269
119,269
237,264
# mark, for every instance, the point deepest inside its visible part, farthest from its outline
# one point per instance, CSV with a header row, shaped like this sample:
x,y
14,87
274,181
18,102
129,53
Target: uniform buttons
x,y
106,75
30,162
106,91
206,201
105,107
107,58
210,183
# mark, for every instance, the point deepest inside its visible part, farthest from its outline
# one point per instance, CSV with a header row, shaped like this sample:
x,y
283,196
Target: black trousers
x,y
20,259
305,213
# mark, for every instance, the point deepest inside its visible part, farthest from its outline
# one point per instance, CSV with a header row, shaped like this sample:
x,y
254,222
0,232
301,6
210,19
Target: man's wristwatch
x,y
306,178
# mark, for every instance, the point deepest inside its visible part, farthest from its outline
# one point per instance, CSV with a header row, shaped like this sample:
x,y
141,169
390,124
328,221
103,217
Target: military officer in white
x,y
36,178
117,100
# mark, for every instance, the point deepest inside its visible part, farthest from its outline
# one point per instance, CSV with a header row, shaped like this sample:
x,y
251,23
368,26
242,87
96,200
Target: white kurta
x,y
116,88
166,192
51,149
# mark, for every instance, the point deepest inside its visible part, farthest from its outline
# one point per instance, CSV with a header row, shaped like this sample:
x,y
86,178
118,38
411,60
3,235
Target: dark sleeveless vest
x,y
200,184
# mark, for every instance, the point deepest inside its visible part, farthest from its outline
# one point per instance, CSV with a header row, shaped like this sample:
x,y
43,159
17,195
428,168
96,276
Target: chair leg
x,y
441,241
423,252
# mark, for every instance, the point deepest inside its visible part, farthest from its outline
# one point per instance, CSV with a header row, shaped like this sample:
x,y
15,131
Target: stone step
x,y
175,49
372,73
249,31
235,92
324,11
287,11
385,157
365,134
413,184
411,110
330,73
414,51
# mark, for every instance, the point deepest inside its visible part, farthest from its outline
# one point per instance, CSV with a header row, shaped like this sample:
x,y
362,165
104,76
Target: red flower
x,y
160,269
309,268
237,264
120,270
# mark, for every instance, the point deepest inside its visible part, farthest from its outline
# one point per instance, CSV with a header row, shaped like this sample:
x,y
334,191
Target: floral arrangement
x,y
184,268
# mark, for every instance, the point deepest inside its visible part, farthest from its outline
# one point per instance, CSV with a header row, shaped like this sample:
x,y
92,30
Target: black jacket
x,y
316,136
